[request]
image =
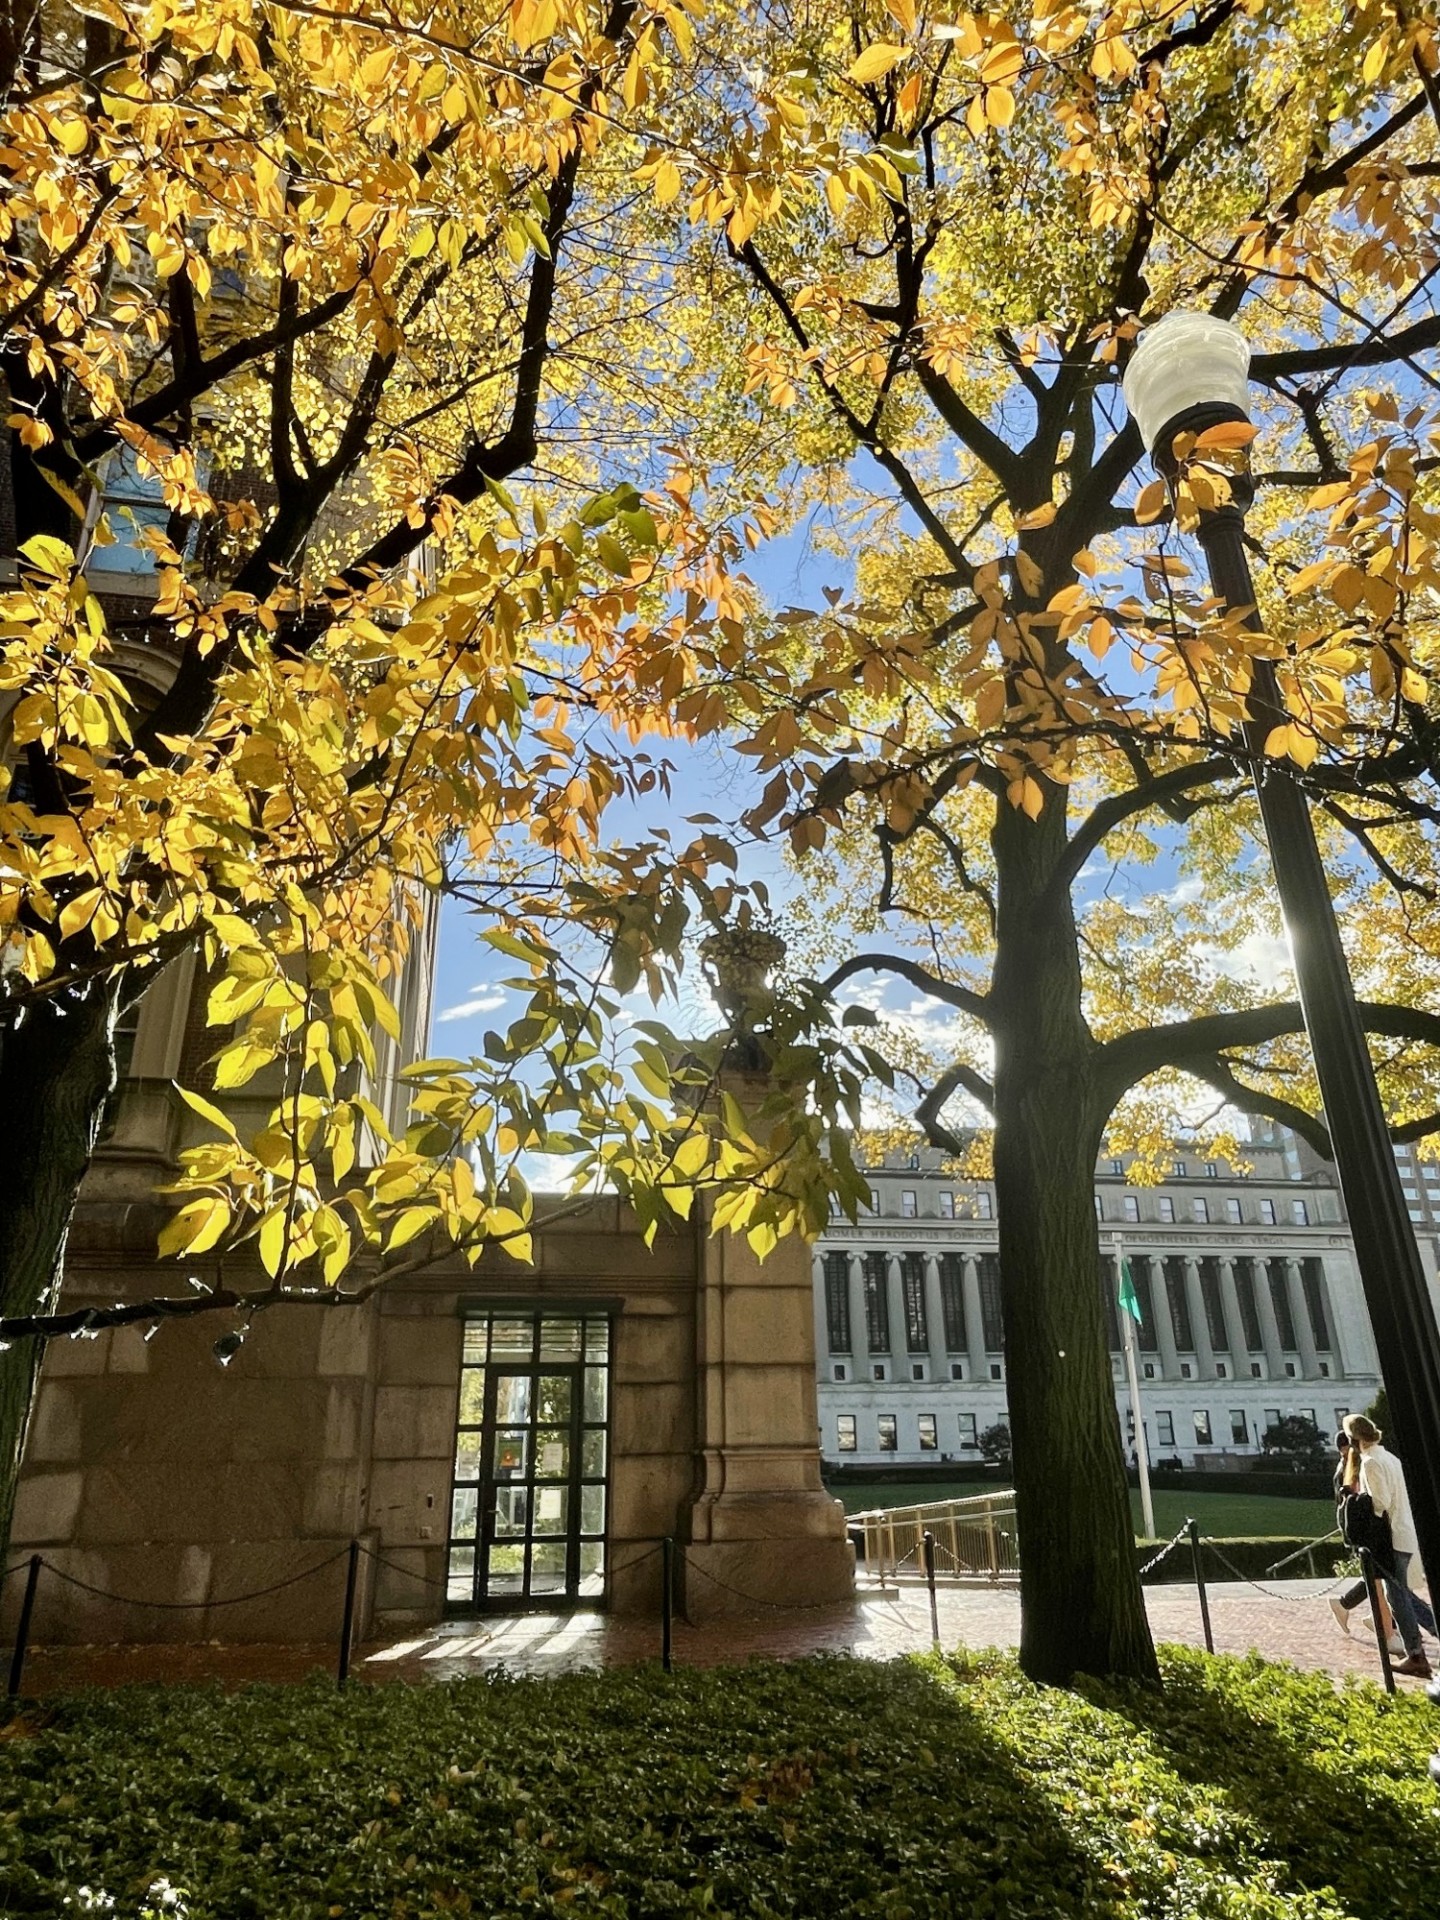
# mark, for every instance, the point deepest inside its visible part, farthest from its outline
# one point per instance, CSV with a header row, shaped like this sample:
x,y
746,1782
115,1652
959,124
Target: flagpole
x,y
1142,1444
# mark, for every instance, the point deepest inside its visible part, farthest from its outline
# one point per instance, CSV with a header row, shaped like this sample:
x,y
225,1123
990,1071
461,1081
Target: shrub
x,y
1297,1441
910,1791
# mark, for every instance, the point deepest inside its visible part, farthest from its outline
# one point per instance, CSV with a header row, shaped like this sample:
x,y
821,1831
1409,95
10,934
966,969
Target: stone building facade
x,y
1250,1296
508,1436
504,1438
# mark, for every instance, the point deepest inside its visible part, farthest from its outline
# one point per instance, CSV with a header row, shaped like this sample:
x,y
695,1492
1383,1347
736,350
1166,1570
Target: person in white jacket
x,y
1383,1478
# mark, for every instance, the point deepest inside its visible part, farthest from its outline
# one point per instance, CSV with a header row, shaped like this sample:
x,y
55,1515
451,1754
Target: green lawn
x,y
923,1789
1221,1515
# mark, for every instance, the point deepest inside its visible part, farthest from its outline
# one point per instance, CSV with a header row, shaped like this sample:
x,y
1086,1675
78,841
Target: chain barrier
x,y
19,1567
754,1600
1291,1599
193,1606
1169,1547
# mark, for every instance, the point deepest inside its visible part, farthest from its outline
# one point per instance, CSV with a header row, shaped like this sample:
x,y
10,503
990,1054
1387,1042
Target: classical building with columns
x,y
1250,1300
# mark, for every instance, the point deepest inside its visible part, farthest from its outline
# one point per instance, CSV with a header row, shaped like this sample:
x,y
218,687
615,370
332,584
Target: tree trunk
x,y
1082,1609
57,1067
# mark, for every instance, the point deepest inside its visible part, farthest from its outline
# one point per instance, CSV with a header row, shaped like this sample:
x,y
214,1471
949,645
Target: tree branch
x,y
1109,814
1132,1057
950,991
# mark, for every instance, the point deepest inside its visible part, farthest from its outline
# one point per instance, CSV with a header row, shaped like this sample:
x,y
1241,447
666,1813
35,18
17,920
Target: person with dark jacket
x,y
1381,1476
1360,1526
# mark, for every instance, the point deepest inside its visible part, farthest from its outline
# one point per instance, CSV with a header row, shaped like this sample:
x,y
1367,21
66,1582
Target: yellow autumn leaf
x,y
876,61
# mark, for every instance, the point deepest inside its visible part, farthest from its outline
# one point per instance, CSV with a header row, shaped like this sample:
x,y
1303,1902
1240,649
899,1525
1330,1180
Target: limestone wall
x,y
155,1473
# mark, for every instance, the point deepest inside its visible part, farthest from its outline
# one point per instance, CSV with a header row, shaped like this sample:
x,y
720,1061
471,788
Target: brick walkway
x,y
1297,1627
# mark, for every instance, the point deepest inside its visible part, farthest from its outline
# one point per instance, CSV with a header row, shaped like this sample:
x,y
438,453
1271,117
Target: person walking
x,y
1383,1478
1361,1527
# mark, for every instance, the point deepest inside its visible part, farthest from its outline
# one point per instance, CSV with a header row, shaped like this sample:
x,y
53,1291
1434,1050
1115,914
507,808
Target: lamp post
x,y
1190,372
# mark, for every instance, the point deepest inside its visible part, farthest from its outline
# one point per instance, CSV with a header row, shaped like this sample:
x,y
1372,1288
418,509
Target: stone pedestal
x,y
761,1532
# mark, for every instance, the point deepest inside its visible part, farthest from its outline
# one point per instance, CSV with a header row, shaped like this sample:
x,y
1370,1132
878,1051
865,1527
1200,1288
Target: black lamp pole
x,y
1396,1291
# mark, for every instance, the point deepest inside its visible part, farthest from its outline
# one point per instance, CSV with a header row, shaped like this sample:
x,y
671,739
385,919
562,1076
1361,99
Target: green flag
x,y
1129,1299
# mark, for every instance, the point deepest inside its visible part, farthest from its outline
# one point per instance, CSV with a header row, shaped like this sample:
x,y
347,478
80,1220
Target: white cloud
x,y
483,1002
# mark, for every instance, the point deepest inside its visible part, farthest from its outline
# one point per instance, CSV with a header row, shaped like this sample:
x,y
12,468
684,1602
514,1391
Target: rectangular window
x,y
1267,1213
1202,1428
968,1435
1179,1302
1233,1213
908,1208
1212,1171
1200,1208
133,504
1165,1429
991,1315
952,1301
1099,1208
1272,1418
1280,1301
885,1433
1340,1413
912,1280
929,1439
845,1441
984,1209
1140,1274
837,1301
945,1201
1308,1413
874,1200
1312,1275
1214,1306
877,1305
1239,1427
1117,1166
1131,1205
1179,1169
1299,1213
1167,1207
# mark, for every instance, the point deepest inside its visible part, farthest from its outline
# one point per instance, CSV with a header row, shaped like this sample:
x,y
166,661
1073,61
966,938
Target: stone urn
x,y
738,963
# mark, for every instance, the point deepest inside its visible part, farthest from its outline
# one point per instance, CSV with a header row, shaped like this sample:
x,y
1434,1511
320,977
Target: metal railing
x,y
974,1540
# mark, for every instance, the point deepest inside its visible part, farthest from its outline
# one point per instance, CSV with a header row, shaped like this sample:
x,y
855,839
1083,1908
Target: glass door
x,y
528,1506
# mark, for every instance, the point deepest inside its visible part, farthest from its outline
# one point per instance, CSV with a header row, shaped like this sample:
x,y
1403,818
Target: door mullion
x,y
486,1531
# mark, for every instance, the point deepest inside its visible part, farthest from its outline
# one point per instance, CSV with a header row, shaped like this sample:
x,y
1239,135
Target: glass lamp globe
x,y
1186,360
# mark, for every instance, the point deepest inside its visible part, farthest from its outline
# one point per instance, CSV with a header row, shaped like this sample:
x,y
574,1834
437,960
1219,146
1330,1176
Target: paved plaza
x,y
1286,1621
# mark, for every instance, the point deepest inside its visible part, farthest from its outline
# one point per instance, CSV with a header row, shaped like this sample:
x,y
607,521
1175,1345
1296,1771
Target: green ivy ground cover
x,y
914,1790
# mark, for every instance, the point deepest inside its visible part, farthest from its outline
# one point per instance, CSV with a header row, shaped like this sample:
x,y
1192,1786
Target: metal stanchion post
x,y
928,1545
22,1628
667,1600
347,1623
1194,1527
1382,1639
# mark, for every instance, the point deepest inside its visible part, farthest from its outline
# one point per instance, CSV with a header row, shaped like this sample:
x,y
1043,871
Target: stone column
x,y
895,1298
1234,1320
935,1320
1199,1321
760,1525
859,1338
974,1318
1269,1325
1300,1314
1164,1326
